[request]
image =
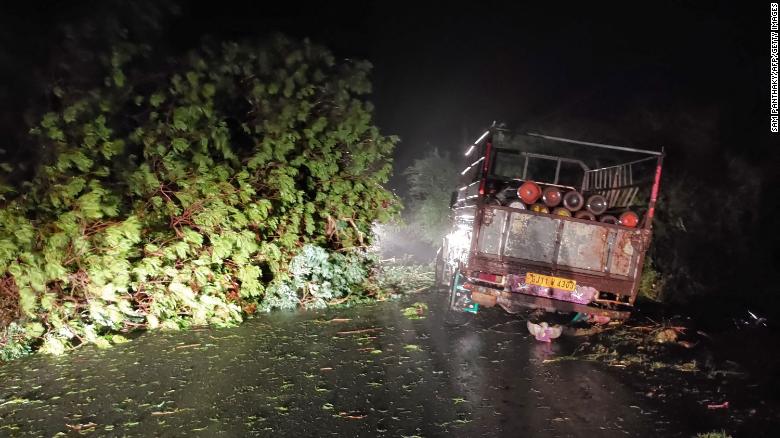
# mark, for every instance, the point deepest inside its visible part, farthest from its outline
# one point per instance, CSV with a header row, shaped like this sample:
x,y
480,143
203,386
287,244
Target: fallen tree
x,y
237,177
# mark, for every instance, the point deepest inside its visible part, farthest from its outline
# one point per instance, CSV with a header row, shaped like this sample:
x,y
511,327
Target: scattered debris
x,y
666,335
752,320
80,427
543,332
175,411
340,320
403,276
724,405
350,332
687,344
416,311
353,415
15,401
715,434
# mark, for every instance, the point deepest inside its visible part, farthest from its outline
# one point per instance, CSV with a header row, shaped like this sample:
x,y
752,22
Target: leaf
x,y
156,100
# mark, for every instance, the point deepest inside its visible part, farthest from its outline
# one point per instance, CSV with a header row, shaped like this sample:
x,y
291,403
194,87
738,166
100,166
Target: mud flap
x,y
460,297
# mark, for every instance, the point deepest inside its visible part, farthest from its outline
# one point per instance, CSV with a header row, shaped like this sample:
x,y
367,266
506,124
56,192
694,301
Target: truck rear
x,y
550,223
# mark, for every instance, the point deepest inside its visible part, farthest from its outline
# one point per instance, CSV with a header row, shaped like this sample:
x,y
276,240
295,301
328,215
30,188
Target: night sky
x,y
689,76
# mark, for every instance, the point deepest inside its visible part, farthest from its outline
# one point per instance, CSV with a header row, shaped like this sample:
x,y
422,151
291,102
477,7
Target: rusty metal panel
x,y
491,230
583,246
531,237
622,253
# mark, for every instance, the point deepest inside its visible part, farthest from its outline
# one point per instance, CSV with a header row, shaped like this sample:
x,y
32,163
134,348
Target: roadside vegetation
x,y
431,180
168,191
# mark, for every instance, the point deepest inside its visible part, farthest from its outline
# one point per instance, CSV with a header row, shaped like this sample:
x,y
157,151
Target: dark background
x,y
610,72
692,77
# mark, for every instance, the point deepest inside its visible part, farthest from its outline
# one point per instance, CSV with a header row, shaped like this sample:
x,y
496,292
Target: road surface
x,y
363,371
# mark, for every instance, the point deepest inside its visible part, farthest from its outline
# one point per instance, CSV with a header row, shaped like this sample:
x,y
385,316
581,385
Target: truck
x,y
501,250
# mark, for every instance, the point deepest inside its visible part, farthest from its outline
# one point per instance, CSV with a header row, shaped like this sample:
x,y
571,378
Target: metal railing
x,y
616,183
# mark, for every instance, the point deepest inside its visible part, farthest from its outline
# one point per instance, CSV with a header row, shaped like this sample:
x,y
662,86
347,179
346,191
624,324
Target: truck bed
x,y
511,242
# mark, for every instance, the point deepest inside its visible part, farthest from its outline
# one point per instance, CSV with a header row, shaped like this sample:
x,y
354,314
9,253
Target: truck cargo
x,y
549,223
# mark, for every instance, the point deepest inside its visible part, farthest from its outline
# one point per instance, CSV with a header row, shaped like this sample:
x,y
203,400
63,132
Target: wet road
x,y
365,371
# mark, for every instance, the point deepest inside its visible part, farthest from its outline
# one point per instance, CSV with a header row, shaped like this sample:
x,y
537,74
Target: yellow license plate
x,y
549,281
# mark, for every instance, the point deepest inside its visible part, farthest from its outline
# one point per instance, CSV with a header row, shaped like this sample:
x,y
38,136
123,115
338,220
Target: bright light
x,y
471,149
458,244
460,238
472,165
482,137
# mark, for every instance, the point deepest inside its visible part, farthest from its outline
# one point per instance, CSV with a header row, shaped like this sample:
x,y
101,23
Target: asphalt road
x,y
364,371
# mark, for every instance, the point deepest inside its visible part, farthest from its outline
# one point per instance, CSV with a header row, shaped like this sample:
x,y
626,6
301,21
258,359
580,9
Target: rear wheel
x,y
451,288
455,299
454,316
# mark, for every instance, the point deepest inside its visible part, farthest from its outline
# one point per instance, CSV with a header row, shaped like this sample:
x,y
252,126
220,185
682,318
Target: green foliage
x,y
317,277
401,278
415,311
238,176
651,282
713,434
707,235
14,342
431,181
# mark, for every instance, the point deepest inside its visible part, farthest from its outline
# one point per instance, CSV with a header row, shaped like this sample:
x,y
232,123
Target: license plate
x,y
549,281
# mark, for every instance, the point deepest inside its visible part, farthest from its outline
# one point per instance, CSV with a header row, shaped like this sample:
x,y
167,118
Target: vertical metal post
x,y
525,168
654,194
485,168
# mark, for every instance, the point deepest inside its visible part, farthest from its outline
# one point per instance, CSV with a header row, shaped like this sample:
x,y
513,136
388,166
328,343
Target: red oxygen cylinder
x,y
529,192
551,196
629,219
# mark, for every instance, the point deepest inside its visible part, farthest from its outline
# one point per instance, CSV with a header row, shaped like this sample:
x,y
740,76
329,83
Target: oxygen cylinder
x,y
551,196
596,204
608,219
529,192
629,219
573,200
582,214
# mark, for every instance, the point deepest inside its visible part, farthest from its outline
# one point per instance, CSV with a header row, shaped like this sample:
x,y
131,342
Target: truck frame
x,y
498,254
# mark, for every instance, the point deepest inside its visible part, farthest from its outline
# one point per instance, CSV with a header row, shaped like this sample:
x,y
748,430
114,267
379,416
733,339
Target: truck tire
x,y
453,317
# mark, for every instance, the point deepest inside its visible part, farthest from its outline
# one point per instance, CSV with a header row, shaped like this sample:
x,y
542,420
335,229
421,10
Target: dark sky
x,y
444,72
685,75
